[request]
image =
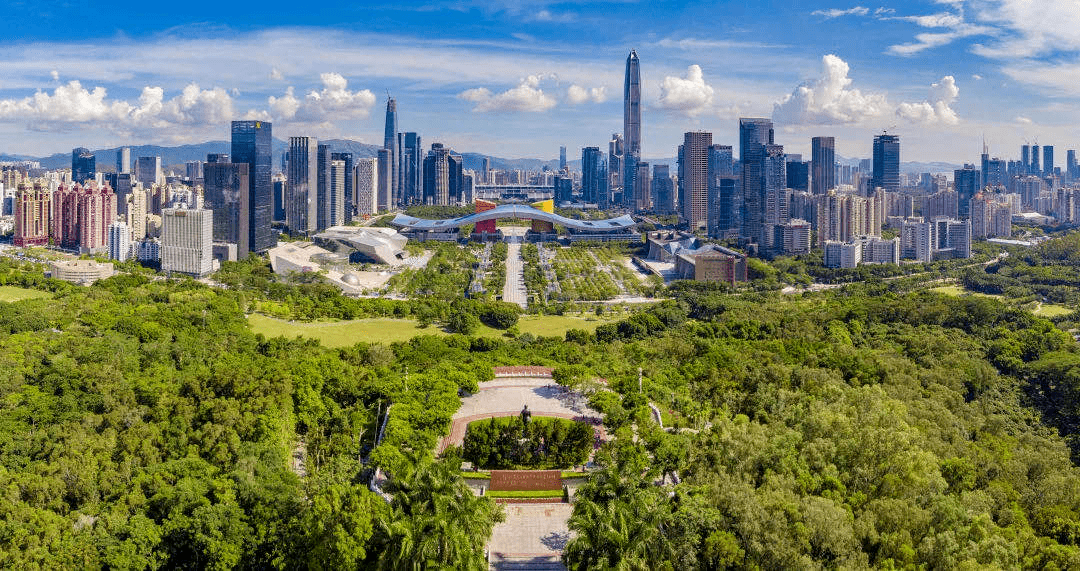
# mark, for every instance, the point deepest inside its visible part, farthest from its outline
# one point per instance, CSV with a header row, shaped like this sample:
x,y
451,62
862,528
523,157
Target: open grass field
x,y
1051,310
12,293
386,330
958,291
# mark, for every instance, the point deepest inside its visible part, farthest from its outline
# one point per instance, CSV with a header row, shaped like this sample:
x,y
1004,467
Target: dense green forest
x,y
142,425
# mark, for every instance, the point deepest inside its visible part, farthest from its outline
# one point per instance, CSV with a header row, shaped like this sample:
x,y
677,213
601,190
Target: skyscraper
x,y
301,204
252,143
148,171
721,168
616,148
123,160
367,186
754,136
386,179
348,201
335,205
82,165
323,193
642,187
777,197
187,241
822,164
227,190
663,190
1025,157
1035,169
631,125
390,139
1070,163
411,168
444,182
594,183
32,206
1048,160
694,178
967,182
886,163
562,158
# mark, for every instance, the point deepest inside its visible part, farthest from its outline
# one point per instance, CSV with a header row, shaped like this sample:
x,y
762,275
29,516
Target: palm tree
x,y
434,521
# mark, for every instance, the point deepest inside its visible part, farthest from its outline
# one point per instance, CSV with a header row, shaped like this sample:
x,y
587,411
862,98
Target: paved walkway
x,y
505,396
514,288
533,536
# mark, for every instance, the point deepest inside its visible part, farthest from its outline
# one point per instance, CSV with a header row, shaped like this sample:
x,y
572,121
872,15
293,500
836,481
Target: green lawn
x,y
12,293
386,330
959,291
1052,310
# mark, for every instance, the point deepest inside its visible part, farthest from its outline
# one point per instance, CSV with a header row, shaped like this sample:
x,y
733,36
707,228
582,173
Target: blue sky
x,y
518,78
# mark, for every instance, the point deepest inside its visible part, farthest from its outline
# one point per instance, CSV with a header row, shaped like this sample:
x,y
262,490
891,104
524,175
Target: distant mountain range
x,y
177,156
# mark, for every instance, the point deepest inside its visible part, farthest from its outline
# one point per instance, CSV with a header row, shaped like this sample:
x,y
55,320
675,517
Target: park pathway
x,y
514,288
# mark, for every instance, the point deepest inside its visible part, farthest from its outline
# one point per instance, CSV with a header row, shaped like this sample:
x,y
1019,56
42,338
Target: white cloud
x,y
937,108
1022,120
286,106
72,104
548,16
576,95
55,75
829,99
690,94
1030,28
276,75
526,97
976,77
335,101
837,12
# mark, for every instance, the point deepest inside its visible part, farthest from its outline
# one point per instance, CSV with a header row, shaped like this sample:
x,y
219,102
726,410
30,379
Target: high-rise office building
x,y
594,183
1071,165
886,163
777,197
663,190
642,187
123,160
301,204
444,181
227,192
348,201
1025,157
33,205
335,205
616,148
798,173
187,241
148,171
390,139
694,178
279,196
967,182
631,125
82,165
124,184
1048,160
367,186
822,164
386,179
724,207
562,158
564,189
754,135
1034,167
323,193
135,213
411,168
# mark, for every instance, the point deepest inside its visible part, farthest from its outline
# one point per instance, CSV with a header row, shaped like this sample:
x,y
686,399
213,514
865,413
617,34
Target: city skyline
x,y
942,73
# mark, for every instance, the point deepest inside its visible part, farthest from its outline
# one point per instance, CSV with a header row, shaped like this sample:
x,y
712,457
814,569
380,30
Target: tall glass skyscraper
x,y
390,140
631,126
823,164
754,136
252,143
694,178
411,168
594,188
886,163
1048,160
226,188
301,204
348,199
82,165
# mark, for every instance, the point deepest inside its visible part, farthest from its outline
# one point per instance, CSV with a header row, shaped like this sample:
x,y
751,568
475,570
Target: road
x,y
514,288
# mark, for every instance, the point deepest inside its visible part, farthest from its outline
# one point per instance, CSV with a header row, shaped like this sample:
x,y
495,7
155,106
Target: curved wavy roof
x,y
519,211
